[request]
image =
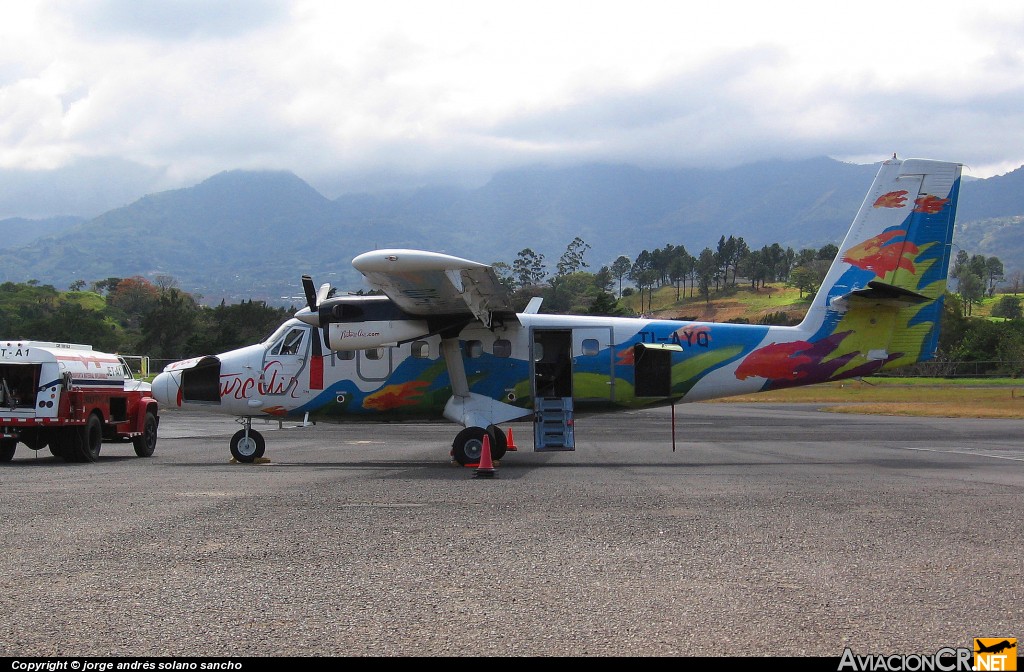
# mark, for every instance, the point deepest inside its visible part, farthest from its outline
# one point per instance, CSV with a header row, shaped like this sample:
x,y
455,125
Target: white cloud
x,y
406,88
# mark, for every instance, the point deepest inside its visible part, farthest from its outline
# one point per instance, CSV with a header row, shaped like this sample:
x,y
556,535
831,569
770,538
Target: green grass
x,y
737,302
934,397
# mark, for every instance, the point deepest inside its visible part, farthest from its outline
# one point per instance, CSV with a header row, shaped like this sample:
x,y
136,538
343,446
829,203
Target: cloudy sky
x,y
351,94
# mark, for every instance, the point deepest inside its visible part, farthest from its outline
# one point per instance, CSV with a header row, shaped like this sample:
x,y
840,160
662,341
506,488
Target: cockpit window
x,y
289,345
292,341
278,333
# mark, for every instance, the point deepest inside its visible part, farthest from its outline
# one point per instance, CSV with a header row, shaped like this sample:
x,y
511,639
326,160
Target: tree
x,y
804,257
959,266
808,277
754,267
69,322
1007,306
570,263
1015,279
135,297
229,327
105,286
167,328
706,269
621,268
505,276
605,304
603,279
528,268
775,262
994,273
571,260
572,293
739,257
972,290
678,269
165,282
77,286
642,274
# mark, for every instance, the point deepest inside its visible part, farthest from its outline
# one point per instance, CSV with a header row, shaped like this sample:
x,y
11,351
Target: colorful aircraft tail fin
x,y
883,294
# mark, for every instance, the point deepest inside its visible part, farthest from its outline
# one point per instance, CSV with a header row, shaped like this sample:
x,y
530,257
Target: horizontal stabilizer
x,y
883,291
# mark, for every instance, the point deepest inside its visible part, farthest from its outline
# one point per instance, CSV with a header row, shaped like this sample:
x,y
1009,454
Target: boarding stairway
x,y
553,424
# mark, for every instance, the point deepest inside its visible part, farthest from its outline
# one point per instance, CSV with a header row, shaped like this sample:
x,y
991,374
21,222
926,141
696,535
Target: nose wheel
x,y
247,445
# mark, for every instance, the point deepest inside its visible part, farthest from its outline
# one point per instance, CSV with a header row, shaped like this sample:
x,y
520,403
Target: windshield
x,y
278,333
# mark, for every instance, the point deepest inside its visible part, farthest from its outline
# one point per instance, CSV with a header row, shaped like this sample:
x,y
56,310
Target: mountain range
x,y
242,235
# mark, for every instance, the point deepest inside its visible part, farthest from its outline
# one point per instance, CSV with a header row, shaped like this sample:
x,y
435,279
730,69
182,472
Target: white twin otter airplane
x,y
444,341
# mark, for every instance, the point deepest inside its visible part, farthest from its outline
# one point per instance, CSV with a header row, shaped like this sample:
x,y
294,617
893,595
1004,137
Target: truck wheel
x,y
34,439
89,439
62,444
146,444
7,447
247,448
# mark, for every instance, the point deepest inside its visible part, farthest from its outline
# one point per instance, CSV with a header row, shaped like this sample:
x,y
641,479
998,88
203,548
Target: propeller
x,y
311,313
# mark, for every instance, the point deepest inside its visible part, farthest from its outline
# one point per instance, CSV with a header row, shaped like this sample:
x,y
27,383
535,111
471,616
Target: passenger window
x,y
590,346
538,352
420,349
502,348
374,353
474,349
345,354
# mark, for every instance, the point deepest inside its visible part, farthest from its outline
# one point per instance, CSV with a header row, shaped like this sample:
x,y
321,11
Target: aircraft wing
x,y
430,283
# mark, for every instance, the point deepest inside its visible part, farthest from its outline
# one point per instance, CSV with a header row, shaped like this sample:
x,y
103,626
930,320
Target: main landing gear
x,y
248,445
468,445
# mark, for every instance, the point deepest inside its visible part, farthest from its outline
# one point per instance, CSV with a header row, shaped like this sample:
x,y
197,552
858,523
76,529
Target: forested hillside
x,y
251,235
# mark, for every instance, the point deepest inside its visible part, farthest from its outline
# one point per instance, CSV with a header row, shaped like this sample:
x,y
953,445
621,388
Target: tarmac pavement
x,y
751,530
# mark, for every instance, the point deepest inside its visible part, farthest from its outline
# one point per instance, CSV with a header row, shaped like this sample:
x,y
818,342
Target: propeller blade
x,y
311,296
324,293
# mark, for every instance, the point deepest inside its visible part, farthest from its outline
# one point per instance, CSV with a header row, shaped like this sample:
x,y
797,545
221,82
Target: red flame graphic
x,y
894,199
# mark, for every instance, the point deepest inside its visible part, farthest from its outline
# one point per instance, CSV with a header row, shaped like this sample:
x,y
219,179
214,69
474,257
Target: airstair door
x,y
551,356
553,425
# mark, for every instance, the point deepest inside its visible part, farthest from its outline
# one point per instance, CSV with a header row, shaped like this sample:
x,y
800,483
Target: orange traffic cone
x,y
486,467
510,441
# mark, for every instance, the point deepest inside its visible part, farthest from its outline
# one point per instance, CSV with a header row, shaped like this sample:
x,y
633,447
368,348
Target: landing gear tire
x,y
468,445
146,443
7,447
247,448
499,443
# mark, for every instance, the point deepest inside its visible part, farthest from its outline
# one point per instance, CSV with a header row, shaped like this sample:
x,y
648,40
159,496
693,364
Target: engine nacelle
x,y
364,335
362,322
